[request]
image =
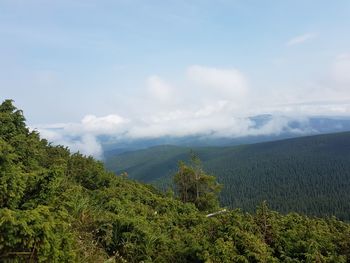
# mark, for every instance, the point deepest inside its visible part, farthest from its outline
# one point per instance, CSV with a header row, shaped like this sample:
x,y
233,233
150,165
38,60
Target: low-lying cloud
x,y
210,102
83,136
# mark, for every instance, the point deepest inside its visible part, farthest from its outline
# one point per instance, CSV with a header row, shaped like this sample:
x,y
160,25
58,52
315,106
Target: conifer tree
x,y
196,186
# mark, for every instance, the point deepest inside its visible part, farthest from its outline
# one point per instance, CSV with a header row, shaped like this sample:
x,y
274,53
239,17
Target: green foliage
x,y
62,207
12,179
87,172
36,235
11,121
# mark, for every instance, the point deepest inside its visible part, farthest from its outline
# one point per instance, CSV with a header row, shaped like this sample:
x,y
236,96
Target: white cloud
x,y
102,125
226,83
82,136
88,145
85,143
301,39
210,102
159,89
91,124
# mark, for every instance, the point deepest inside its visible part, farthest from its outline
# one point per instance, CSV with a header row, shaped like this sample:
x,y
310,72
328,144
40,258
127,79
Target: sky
x,y
143,69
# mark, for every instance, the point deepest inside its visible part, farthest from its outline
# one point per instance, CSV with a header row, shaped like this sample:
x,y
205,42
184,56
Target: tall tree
x,y
195,186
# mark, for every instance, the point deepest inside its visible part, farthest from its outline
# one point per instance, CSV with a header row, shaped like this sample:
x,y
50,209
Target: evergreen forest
x,y
308,175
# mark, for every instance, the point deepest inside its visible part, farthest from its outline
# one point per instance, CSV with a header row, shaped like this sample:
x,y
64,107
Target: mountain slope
x,y
309,174
61,207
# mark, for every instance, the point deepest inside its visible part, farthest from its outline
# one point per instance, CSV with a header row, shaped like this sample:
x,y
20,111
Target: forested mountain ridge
x,y
56,206
308,174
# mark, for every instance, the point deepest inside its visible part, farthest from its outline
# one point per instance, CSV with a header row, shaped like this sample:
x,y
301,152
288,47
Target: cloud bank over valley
x,y
214,102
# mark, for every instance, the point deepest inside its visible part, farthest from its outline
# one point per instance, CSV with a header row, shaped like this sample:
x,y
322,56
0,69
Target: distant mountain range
x,y
309,175
293,127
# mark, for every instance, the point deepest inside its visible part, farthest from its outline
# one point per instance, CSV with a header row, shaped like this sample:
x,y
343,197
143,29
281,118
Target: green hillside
x,y
56,206
310,175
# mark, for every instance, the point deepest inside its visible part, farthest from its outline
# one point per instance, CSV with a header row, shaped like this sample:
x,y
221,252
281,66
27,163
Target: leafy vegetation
x,y
61,207
309,175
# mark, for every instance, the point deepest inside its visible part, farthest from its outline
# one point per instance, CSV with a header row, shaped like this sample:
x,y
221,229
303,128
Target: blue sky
x,y
142,67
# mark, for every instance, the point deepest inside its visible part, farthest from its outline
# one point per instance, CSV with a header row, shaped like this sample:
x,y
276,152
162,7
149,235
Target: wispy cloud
x,y
301,39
